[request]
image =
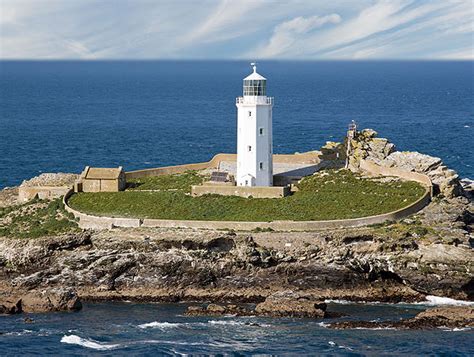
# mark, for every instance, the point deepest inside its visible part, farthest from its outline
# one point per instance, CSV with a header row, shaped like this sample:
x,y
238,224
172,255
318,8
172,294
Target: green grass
x,y
35,219
182,182
328,195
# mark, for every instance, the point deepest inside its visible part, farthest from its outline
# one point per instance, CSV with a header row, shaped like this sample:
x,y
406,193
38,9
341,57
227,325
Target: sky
x,y
237,29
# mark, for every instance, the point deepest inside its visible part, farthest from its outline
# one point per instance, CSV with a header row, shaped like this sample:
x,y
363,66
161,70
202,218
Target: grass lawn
x,y
181,182
327,195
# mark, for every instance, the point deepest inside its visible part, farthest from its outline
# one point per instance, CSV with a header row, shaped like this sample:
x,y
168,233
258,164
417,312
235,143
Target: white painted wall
x,y
249,172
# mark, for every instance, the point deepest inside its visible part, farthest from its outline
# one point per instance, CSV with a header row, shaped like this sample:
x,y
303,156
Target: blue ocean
x,y
63,115
60,116
117,329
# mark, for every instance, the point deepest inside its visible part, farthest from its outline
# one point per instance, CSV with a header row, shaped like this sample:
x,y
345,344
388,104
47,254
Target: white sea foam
x,y
84,342
375,328
323,324
335,301
237,323
160,325
439,300
18,333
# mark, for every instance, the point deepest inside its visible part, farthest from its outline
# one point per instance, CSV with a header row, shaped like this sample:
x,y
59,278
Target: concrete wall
x,y
102,185
311,157
43,192
242,191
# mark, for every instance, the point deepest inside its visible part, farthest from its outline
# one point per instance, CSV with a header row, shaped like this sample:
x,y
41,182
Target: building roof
x,y
255,75
102,173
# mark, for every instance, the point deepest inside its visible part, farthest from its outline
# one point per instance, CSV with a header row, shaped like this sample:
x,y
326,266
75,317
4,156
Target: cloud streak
x,y
293,29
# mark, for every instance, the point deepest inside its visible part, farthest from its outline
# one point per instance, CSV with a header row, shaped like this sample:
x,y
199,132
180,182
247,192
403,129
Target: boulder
x,y
218,310
51,300
290,304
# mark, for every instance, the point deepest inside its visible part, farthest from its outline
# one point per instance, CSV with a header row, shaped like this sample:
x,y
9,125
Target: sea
x,y
128,329
59,116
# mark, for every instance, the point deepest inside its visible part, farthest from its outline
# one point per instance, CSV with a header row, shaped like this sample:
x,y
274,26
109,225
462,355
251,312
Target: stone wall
x,y
242,191
42,192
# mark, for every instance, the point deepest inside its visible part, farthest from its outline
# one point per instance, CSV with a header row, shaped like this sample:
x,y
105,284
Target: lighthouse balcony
x,y
254,100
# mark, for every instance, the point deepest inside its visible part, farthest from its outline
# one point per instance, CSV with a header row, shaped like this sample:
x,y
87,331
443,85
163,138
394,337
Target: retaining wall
x,y
26,193
96,222
242,191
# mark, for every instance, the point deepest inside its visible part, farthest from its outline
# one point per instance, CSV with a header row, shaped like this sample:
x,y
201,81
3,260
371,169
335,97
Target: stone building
x,y
99,179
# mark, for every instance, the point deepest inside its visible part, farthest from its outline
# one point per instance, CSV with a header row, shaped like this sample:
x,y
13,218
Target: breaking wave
x,y
439,300
89,343
160,325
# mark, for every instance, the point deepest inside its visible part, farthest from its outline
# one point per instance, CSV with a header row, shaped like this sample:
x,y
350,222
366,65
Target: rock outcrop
x,y
451,317
445,180
290,304
367,146
280,304
48,300
51,179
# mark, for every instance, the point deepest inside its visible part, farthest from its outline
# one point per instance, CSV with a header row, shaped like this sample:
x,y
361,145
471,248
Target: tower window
x,y
250,113
260,131
249,148
261,165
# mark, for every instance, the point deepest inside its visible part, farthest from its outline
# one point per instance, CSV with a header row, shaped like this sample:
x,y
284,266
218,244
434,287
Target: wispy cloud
x,y
287,33
309,29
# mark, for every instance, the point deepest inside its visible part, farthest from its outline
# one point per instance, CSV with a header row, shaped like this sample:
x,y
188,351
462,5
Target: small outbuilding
x,y
101,179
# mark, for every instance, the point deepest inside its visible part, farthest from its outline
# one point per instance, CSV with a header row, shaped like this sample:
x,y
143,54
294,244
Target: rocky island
x,y
47,263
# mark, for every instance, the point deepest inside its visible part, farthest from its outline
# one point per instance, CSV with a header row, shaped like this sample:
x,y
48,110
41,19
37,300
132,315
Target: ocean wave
x,y
336,301
374,328
171,325
237,323
432,300
456,329
161,325
18,333
89,343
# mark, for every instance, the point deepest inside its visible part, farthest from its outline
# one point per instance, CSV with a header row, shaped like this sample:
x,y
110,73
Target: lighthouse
x,y
254,133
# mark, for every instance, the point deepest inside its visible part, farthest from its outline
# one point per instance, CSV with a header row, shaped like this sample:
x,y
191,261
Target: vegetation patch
x,y
36,218
327,195
180,182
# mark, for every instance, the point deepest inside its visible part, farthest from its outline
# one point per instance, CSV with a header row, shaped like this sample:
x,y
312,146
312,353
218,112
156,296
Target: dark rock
x,y
439,317
290,304
218,310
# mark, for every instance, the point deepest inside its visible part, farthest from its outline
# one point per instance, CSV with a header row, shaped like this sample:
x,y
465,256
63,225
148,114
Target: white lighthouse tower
x,y
254,135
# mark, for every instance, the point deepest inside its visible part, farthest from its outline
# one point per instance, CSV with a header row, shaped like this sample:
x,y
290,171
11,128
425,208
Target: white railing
x,y
254,100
